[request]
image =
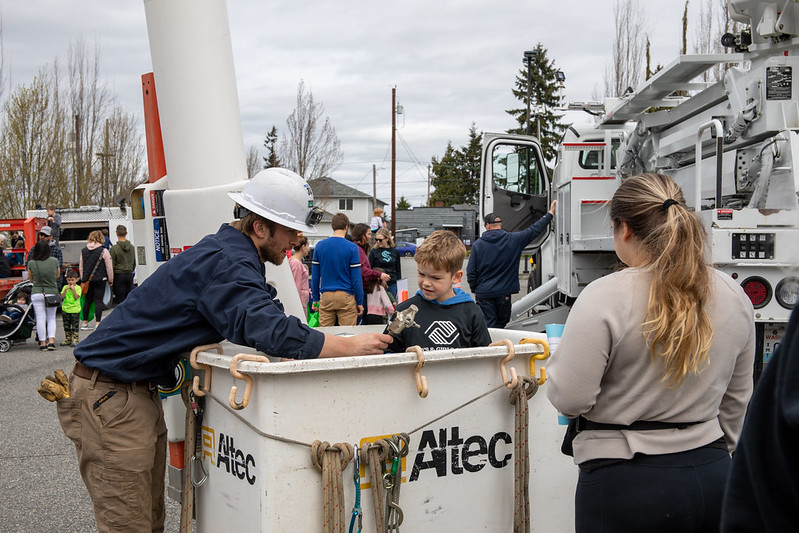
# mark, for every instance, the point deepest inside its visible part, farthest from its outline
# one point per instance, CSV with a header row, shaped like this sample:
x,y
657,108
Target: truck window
x,y
516,169
592,159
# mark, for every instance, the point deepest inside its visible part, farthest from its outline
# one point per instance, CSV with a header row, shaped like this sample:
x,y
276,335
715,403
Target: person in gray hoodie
x,y
493,267
123,257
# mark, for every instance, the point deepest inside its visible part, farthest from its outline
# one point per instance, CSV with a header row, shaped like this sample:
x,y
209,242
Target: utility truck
x,y
732,146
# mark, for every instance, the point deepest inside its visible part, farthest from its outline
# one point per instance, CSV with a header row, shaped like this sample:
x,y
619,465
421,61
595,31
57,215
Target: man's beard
x,y
271,251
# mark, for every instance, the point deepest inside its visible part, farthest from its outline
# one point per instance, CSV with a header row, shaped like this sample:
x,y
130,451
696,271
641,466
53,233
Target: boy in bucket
x,y
447,316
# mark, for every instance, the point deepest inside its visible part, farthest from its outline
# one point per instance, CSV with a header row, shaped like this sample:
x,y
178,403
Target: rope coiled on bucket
x,y
331,460
525,389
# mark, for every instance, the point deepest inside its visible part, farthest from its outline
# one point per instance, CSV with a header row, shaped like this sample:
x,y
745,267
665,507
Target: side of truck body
x,y
732,147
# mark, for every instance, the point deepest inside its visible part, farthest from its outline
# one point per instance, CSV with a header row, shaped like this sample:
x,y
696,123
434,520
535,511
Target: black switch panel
x,y
757,246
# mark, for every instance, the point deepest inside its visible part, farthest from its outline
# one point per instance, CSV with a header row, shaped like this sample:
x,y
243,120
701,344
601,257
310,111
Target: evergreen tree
x,y
403,204
271,159
456,176
545,98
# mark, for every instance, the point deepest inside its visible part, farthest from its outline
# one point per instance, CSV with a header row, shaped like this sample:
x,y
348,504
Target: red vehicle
x,y
29,227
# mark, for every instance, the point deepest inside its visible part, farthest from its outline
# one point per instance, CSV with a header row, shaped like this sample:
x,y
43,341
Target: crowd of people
x,y
52,286
654,367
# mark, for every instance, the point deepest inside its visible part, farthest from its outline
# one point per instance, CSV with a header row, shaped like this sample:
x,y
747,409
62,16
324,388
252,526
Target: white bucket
x,y
458,475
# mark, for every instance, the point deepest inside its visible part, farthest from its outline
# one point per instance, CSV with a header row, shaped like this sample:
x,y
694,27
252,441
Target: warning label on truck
x,y
778,83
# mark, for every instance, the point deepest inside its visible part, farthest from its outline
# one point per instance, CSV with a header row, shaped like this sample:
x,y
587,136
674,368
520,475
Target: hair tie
x,y
668,203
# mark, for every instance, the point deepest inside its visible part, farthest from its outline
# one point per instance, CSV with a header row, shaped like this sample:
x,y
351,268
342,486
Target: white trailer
x,y
77,223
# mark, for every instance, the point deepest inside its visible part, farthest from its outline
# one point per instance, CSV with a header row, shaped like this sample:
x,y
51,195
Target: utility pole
x,y
529,57
428,186
393,162
78,165
104,155
374,187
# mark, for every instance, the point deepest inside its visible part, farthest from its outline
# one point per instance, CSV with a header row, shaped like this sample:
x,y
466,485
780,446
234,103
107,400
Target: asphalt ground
x,y
40,486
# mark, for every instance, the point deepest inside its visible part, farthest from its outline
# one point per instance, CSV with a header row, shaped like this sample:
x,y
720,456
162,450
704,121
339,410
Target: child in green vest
x,y
70,309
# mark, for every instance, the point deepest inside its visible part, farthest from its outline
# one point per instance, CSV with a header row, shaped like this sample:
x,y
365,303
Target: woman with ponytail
x,y
655,368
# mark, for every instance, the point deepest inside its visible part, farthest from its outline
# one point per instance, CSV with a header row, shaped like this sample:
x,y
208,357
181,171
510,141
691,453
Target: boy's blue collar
x,y
460,296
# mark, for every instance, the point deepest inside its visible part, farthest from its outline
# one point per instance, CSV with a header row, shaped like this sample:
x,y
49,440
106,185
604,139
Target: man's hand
x,y
315,306
363,344
56,387
553,207
385,277
360,310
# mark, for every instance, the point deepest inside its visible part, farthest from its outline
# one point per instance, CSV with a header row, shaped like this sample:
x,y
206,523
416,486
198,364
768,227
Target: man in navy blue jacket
x,y
215,290
493,267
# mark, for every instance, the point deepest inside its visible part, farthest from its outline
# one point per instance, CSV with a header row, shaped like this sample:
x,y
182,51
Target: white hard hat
x,y
281,196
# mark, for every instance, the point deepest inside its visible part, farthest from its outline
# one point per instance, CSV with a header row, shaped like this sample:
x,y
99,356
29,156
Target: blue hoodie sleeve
x,y
355,275
473,268
520,239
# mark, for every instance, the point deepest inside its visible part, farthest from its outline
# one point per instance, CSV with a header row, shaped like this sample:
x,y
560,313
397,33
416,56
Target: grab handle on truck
x,y
509,383
238,375
421,381
200,366
542,377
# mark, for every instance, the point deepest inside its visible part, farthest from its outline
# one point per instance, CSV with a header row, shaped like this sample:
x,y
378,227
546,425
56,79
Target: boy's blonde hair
x,y
442,250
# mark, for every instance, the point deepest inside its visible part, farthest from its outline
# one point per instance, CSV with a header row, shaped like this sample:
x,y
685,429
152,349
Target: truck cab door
x,y
514,182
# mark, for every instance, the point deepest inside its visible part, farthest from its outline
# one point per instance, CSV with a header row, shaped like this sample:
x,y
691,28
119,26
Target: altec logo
x,y
444,451
235,461
442,332
468,454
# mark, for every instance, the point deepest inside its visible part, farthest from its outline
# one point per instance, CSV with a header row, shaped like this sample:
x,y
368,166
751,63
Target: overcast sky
x,y
453,63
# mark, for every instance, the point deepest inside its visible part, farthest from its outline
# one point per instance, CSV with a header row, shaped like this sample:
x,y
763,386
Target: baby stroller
x,y
20,328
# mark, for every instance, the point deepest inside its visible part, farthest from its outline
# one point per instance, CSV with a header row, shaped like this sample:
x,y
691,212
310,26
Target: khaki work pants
x,y
120,437
337,305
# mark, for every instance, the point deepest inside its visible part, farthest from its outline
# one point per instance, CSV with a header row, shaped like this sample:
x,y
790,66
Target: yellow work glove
x,y
55,388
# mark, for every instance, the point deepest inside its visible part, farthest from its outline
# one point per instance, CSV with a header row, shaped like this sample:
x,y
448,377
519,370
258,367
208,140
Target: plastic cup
x,y
554,333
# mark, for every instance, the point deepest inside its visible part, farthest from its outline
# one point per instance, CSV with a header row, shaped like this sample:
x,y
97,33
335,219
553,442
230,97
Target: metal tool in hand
x,y
404,319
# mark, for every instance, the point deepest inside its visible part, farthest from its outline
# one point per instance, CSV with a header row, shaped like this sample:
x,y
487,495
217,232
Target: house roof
x,y
330,188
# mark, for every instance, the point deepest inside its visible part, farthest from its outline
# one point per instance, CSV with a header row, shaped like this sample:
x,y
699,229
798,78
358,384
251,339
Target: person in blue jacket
x,y
493,267
215,290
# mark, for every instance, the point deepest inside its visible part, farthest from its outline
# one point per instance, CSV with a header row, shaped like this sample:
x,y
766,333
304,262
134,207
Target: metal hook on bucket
x,y
201,366
509,383
421,381
238,375
538,356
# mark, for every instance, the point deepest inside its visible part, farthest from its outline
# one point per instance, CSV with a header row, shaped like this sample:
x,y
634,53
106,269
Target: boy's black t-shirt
x,y
457,323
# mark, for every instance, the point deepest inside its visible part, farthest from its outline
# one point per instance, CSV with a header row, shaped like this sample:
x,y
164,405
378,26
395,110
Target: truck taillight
x,y
758,290
787,292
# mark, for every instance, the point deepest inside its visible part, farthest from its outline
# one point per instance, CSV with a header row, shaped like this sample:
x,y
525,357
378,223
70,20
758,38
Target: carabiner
x,y
202,468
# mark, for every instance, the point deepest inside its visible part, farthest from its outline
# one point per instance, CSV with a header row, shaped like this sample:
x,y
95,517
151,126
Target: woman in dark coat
x,y
385,257
95,255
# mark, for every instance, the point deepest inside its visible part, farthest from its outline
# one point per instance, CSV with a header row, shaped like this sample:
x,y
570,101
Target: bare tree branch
x,y
629,48
309,147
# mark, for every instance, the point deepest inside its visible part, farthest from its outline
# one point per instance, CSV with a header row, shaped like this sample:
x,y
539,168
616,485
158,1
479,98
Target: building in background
x,y
419,222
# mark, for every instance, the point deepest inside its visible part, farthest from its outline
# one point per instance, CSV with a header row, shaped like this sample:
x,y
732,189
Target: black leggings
x,y
654,493
94,294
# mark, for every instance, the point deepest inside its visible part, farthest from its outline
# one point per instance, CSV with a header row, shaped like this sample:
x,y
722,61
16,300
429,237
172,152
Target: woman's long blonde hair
x,y
677,327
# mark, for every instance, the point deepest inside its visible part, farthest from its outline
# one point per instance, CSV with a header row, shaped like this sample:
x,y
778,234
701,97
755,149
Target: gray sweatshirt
x,y
602,369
